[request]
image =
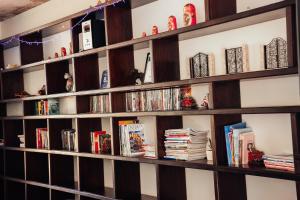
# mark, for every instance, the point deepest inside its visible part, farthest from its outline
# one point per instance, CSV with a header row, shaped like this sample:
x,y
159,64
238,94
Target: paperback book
x,y
42,141
100,142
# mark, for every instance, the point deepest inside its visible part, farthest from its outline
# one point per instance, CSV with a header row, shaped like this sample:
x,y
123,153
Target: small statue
x,y
154,30
69,83
205,102
172,23
42,91
63,51
144,34
189,16
255,157
136,76
56,55
187,101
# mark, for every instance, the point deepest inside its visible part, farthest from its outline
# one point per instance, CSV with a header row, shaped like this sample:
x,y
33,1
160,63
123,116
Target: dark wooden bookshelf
x,y
31,173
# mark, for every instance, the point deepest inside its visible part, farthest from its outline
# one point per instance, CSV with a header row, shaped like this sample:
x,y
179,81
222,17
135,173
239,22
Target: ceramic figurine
x,y
56,55
69,83
144,34
154,30
63,51
42,91
172,23
189,15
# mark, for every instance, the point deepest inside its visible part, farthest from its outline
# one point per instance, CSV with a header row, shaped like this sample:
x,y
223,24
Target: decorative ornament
x,y
275,54
42,91
69,83
104,79
255,157
71,48
205,102
144,34
189,15
237,59
172,23
63,51
154,30
56,55
187,101
136,76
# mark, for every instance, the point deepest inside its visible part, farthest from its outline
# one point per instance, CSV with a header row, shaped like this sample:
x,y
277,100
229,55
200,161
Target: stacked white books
x,y
185,144
22,140
281,162
149,151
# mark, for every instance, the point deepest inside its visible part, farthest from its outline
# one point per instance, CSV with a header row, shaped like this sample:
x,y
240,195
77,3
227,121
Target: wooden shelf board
x,y
240,76
269,12
260,171
250,110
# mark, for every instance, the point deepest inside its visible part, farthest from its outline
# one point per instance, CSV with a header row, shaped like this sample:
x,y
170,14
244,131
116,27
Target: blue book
x,y
227,130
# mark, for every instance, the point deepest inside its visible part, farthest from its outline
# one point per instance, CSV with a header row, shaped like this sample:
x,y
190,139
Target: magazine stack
x,y
281,162
131,138
185,144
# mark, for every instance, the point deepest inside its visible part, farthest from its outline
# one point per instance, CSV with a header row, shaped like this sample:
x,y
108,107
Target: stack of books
x,y
68,137
149,151
131,138
100,142
99,104
185,144
154,100
42,138
22,140
239,140
281,162
47,107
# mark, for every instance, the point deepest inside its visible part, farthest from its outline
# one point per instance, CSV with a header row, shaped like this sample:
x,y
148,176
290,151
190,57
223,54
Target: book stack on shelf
x,y
185,144
149,151
22,140
100,142
99,104
154,100
47,107
281,162
68,139
42,141
239,140
132,139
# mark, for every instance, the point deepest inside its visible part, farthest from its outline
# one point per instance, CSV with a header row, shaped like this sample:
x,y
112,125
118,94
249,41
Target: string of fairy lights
x,y
87,13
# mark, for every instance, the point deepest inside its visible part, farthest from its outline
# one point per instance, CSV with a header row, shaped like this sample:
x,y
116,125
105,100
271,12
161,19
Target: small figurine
x,y
189,15
154,30
49,57
136,76
172,23
255,157
42,91
56,55
187,101
69,83
63,51
205,102
144,34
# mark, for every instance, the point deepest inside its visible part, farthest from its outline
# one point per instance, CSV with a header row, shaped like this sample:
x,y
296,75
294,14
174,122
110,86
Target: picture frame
x,y
148,71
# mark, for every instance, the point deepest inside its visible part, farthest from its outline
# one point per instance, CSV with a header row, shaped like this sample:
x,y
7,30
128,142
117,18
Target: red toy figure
x,y
154,30
189,15
144,34
63,51
172,23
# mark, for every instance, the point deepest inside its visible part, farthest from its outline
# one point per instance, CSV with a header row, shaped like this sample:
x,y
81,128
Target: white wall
x,y
43,14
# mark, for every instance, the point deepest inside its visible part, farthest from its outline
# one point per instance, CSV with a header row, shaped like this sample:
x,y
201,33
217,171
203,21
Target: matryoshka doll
x,y
154,30
172,23
189,15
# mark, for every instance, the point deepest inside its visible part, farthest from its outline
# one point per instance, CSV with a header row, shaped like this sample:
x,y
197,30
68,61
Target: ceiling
x,y
10,8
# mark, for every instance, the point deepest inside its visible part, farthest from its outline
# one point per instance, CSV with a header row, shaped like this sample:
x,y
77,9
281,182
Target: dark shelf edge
x,y
260,171
240,76
249,110
202,25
